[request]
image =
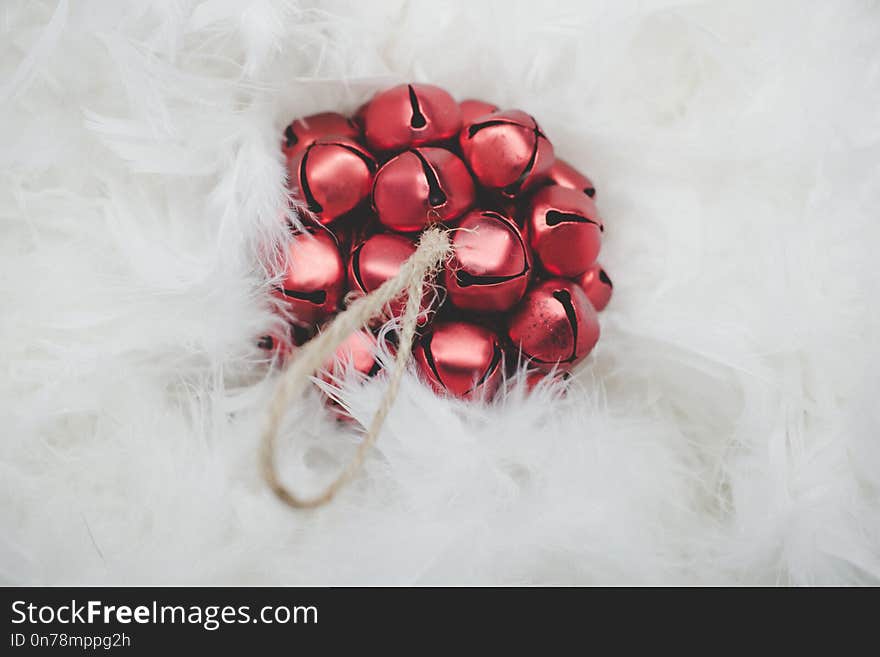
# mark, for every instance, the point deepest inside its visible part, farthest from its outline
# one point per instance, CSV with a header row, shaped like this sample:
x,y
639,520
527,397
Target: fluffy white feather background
x,y
725,430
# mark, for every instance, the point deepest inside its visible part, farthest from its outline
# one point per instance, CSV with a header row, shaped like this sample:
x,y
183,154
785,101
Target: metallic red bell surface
x,y
377,259
597,285
302,133
564,230
463,359
410,115
555,323
491,265
507,151
358,352
332,176
565,175
422,186
474,109
315,277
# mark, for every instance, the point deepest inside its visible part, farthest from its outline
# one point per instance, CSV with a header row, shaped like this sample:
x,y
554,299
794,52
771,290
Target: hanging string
x,y
417,272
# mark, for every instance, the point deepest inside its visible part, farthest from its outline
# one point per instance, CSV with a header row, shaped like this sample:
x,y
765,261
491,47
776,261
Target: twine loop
x,y
433,250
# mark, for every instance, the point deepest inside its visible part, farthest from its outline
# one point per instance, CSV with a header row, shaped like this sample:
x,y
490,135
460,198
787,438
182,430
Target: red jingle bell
x,y
565,175
491,265
463,359
554,324
422,186
410,115
303,132
597,285
507,151
564,230
475,109
377,259
358,352
315,277
332,176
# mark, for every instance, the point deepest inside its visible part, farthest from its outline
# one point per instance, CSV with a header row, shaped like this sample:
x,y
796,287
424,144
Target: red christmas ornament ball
x,y
462,359
491,263
315,277
555,324
507,151
493,177
377,259
597,286
302,133
358,352
475,109
563,174
564,230
422,186
410,115
332,176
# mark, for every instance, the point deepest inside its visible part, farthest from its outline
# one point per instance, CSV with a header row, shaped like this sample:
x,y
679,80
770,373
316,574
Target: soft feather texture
x,y
725,430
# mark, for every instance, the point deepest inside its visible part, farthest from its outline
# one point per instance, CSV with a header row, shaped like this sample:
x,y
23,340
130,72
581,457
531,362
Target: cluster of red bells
x,y
524,277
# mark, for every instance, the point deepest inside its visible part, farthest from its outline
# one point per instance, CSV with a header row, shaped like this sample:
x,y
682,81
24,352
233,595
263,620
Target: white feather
x,y
724,430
